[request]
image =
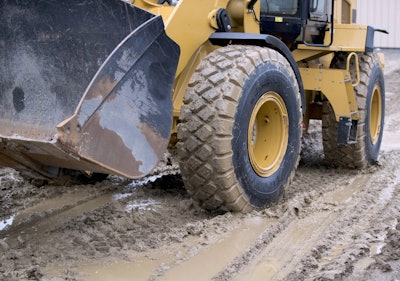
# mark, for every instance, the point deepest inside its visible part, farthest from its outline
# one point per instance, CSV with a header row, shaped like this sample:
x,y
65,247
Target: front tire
x,y
240,129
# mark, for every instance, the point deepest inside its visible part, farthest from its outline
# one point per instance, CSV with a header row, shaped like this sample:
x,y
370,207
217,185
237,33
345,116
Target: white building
x,y
381,14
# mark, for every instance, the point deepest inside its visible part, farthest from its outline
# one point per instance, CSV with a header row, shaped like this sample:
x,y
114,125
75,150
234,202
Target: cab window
x,y
279,7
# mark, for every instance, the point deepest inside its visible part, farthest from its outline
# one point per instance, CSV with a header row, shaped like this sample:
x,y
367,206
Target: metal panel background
x,y
381,14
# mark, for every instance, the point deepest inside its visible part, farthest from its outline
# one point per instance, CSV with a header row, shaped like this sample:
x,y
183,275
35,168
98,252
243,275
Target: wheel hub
x,y
268,134
375,117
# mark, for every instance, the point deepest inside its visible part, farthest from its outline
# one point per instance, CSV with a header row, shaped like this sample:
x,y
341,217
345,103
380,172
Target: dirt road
x,y
331,224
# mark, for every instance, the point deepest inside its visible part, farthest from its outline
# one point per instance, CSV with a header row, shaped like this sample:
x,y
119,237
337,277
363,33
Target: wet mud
x,y
331,224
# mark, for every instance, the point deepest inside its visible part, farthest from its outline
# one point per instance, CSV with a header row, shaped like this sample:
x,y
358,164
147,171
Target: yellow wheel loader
x,y
96,87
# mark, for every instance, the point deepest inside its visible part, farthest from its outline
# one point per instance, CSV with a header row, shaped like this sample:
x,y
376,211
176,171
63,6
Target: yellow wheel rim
x,y
268,134
375,116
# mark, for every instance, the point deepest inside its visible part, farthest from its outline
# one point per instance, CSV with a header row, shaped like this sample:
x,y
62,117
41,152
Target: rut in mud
x,y
331,224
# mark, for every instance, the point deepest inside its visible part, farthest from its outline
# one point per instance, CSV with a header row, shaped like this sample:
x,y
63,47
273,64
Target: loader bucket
x,y
84,85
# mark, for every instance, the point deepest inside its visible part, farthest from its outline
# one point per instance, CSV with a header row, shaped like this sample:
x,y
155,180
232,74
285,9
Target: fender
x,y
369,44
262,40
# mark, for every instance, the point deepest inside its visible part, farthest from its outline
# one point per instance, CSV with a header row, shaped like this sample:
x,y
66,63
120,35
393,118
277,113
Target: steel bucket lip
x,y
136,80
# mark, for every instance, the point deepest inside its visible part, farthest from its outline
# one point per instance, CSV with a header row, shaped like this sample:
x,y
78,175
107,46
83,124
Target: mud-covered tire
x,y
370,96
222,161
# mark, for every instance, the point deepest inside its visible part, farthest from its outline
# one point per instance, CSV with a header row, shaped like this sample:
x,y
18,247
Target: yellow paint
x,y
268,134
375,116
336,85
250,24
347,38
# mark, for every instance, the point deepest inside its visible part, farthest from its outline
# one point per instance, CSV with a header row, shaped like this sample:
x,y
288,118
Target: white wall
x,y
383,14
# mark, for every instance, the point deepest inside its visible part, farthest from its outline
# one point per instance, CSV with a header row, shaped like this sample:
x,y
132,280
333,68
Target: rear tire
x,y
240,130
370,96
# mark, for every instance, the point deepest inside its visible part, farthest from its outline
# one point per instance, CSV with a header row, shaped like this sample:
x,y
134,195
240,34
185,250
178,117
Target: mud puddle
x,y
278,259
179,261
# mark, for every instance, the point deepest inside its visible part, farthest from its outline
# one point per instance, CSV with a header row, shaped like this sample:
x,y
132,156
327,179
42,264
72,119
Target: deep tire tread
x,y
355,155
204,147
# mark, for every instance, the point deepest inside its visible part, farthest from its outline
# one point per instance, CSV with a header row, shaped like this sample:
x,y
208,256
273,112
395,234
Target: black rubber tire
x,y
213,133
365,151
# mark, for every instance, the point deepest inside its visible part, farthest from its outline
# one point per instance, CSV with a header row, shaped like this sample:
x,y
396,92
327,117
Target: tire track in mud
x,y
30,224
300,238
221,251
285,252
330,239
361,230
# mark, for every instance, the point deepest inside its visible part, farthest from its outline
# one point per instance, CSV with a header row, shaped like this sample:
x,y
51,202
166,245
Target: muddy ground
x,y
331,224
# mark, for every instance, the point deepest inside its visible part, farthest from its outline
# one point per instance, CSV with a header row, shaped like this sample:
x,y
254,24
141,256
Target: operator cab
x,y
296,21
